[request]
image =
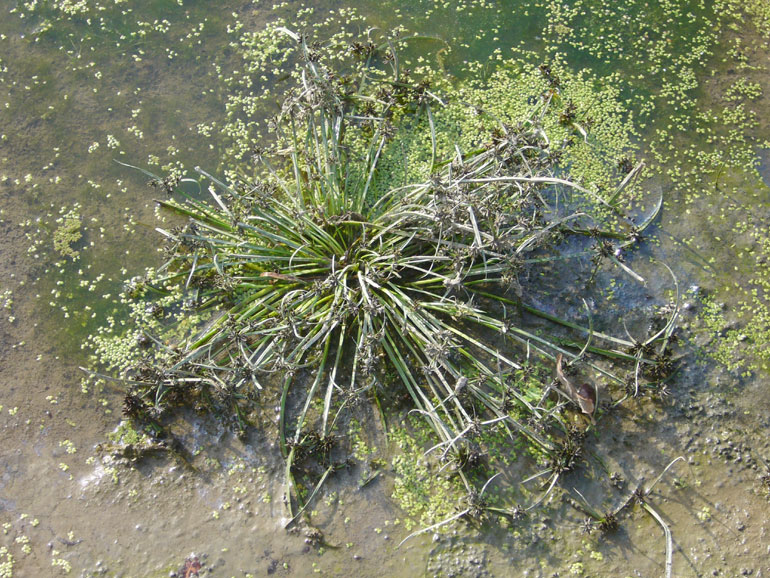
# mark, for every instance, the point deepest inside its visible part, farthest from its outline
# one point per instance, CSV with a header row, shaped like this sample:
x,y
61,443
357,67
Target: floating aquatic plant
x,y
336,282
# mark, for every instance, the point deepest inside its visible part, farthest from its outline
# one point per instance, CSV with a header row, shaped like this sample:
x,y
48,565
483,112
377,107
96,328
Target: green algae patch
x,y
759,12
68,233
125,435
427,497
6,563
742,332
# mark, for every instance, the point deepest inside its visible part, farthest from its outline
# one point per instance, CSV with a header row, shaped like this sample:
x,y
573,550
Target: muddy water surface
x,y
138,82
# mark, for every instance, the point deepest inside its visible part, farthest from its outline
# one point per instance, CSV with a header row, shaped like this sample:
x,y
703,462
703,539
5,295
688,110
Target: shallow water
x,y
67,510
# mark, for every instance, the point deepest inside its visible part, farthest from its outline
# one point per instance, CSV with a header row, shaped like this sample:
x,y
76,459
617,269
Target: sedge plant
x,y
334,282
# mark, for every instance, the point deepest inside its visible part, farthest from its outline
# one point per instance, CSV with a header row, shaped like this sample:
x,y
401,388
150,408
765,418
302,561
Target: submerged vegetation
x,y
381,255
